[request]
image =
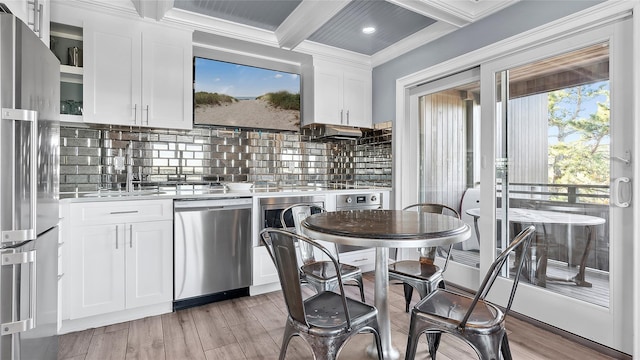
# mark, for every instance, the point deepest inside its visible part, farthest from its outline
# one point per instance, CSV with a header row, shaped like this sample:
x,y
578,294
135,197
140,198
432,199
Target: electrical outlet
x,y
118,162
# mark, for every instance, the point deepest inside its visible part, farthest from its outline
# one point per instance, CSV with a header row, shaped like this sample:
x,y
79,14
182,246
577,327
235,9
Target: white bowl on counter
x,y
239,186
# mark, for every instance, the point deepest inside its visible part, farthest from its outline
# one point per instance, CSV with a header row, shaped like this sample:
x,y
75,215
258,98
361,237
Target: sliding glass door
x,y
561,139
448,116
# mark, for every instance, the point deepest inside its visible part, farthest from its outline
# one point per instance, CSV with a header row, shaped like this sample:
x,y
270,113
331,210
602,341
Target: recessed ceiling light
x,y
368,30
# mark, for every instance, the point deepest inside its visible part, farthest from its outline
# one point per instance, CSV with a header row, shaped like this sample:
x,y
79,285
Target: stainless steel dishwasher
x,y
212,250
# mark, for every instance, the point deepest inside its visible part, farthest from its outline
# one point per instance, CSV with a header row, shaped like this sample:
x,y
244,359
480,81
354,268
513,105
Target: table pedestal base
x,y
382,304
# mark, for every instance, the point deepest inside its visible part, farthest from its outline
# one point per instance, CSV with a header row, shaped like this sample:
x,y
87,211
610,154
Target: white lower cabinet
x,y
115,265
364,259
264,271
97,273
121,266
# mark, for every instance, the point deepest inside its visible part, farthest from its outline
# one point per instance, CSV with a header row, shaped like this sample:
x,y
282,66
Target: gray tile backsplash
x,y
212,154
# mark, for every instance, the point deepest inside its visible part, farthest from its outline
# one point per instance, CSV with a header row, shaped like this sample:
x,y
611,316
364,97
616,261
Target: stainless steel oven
x,y
272,207
368,201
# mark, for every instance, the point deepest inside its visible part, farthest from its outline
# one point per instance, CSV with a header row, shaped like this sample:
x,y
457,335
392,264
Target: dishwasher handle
x,y
212,205
210,208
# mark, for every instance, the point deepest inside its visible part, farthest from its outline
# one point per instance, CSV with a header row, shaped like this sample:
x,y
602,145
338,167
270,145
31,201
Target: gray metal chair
x,y
319,274
327,319
474,320
423,274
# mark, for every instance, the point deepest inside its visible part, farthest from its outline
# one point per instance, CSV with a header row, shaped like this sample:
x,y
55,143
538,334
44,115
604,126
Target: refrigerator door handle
x,y
20,235
21,258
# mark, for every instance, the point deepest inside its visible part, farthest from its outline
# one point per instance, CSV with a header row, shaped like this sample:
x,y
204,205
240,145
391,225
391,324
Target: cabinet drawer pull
x,y
359,260
124,212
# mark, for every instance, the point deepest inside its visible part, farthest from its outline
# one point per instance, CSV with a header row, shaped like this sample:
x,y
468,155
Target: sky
x,y
241,80
589,107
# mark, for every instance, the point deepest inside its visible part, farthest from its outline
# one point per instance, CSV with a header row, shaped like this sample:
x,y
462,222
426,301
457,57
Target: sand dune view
x,y
248,113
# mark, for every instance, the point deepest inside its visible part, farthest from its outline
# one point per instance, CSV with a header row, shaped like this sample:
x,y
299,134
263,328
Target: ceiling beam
x,y
308,17
152,9
432,10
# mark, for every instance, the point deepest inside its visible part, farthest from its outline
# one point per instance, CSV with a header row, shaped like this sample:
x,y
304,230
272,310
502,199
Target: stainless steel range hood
x,y
335,132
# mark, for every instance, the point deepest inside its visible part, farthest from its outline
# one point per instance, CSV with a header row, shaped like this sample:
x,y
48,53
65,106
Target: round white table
x,y
384,229
542,217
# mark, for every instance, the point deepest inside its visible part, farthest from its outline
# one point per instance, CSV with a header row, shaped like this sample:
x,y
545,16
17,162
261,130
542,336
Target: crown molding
x,y
221,27
422,37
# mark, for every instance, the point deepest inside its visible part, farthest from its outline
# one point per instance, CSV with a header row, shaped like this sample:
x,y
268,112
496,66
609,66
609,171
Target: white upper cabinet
x,y
137,74
167,78
112,71
34,13
342,94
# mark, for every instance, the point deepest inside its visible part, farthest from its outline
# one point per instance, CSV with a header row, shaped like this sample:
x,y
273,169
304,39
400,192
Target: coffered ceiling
x,y
400,25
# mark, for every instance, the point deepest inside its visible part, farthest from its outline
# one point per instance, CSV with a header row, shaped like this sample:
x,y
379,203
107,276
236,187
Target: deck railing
x,y
565,193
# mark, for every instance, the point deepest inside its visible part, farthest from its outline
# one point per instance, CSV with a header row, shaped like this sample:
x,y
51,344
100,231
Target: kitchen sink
x,y
102,193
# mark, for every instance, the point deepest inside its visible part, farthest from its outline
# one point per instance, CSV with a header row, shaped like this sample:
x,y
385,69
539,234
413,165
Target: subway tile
x,y
77,179
89,170
239,154
88,133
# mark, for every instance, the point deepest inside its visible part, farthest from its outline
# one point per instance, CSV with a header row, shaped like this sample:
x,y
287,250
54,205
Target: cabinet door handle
x,y
147,114
40,10
117,237
347,117
341,116
130,236
135,113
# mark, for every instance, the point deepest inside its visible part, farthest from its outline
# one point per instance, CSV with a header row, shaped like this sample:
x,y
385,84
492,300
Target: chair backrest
x,y
297,213
434,208
281,246
523,239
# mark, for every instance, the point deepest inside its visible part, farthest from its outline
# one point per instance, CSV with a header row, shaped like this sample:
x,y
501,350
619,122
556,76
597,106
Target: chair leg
x,y
325,349
408,293
412,340
487,346
358,279
288,334
376,337
433,339
504,348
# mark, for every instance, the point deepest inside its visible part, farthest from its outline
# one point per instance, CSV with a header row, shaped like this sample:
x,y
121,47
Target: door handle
x,y
13,259
616,192
31,117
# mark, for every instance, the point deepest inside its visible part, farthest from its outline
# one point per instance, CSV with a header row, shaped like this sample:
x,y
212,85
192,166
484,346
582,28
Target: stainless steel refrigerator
x,y
29,183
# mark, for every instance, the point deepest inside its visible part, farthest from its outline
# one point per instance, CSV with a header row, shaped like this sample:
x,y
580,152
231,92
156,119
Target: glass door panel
x,y
558,120
553,169
449,118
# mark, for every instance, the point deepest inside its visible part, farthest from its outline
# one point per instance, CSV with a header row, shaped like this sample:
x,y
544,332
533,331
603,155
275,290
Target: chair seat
x,y
447,307
414,269
323,270
325,312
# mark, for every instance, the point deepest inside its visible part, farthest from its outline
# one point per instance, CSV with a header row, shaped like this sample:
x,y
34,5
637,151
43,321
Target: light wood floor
x,y
252,328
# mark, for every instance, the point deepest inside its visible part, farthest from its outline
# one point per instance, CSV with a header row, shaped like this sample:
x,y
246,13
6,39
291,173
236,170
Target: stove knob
x,y
374,198
349,200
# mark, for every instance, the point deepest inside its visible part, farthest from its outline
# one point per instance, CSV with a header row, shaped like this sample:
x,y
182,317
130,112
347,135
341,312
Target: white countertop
x,y
208,193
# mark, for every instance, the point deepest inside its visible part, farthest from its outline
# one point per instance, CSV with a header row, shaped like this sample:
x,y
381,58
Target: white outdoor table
x,y
542,217
384,229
